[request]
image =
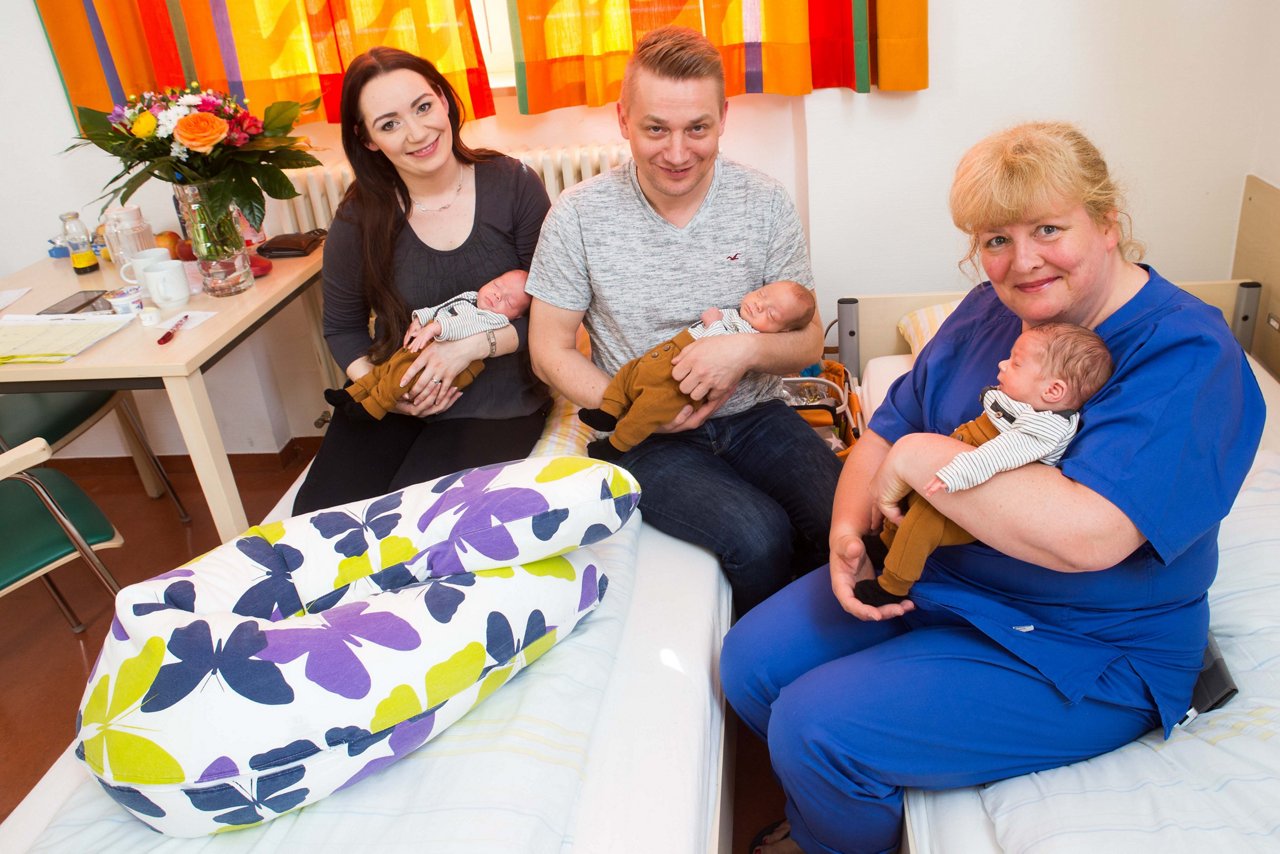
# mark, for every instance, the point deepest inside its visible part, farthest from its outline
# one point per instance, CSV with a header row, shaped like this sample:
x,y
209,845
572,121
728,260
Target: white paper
x,y
9,297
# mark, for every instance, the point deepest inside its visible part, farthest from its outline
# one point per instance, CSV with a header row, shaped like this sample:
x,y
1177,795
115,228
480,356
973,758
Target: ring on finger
x,y
437,381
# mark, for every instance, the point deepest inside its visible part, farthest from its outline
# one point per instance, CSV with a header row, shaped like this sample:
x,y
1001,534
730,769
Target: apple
x,y
184,251
259,265
169,240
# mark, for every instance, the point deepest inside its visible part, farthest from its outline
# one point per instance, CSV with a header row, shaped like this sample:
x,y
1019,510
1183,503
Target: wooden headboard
x,y
1258,258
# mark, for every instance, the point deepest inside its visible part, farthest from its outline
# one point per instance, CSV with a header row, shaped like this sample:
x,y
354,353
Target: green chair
x,y
46,521
60,417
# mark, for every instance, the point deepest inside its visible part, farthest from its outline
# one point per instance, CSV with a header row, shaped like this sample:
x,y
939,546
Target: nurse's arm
x,y
1034,513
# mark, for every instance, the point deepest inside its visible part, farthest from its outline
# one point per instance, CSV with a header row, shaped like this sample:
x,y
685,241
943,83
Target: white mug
x,y
131,271
167,282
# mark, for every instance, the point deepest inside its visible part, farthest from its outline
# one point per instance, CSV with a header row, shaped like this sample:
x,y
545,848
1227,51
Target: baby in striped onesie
x,y
1030,416
481,312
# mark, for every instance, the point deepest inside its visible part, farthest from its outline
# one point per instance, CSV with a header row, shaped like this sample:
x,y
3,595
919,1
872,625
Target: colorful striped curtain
x,y
258,50
573,52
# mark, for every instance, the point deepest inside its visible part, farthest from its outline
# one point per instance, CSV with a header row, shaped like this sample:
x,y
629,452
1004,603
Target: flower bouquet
x,y
219,157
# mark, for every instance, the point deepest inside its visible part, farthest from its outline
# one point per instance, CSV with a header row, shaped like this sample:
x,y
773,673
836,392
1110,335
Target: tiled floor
x,y
45,665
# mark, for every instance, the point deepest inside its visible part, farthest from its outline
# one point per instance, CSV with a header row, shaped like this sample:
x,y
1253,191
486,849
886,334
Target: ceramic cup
x,y
131,271
167,282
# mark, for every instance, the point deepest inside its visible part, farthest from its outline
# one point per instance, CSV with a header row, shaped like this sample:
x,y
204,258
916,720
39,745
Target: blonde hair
x,y
676,53
1075,355
1025,170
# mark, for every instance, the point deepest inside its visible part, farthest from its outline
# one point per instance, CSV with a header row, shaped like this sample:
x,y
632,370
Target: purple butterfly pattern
x,y
481,518
331,664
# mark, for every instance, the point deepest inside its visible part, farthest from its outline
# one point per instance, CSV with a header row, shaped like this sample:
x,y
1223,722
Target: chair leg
x,y
134,424
76,625
86,551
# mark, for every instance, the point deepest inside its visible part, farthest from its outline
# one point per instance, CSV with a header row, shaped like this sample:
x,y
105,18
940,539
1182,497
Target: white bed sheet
x,y
959,821
652,768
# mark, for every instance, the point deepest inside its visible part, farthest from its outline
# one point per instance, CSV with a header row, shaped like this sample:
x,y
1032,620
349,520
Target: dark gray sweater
x,y
510,205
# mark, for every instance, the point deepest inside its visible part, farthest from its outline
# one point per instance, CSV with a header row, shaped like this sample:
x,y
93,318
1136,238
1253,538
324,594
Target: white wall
x,y
1266,155
1180,96
1171,92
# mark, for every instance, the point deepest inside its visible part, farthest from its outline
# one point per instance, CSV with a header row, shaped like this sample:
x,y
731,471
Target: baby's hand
x,y
420,336
414,329
712,315
934,485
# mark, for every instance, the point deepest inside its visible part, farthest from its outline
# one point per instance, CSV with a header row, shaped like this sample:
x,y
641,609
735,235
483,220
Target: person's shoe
x,y
597,419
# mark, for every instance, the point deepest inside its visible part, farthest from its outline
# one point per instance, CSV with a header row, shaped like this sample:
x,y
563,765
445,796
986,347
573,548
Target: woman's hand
x,y
849,565
428,383
889,485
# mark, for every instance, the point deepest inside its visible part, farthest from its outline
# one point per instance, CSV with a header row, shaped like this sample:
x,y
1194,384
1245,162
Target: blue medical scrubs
x,y
1006,667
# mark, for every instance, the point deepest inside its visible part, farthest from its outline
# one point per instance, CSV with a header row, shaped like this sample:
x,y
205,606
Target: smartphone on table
x,y
81,302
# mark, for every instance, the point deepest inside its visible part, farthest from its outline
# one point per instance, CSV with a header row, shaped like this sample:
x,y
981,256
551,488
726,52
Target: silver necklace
x,y
456,193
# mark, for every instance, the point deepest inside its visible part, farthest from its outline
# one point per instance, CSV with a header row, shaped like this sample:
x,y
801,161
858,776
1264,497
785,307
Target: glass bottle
x,y
79,244
127,233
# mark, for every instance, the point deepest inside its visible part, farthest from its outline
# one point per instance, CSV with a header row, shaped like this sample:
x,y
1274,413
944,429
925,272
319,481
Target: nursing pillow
x,y
307,654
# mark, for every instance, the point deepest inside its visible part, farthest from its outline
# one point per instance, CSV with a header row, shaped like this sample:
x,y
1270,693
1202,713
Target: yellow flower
x,y
200,131
144,125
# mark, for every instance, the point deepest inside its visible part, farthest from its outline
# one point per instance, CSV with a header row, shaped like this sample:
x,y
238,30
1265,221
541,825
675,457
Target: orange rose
x,y
200,131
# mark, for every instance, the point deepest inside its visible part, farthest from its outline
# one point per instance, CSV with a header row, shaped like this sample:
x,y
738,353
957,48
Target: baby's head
x,y
778,307
1055,366
505,295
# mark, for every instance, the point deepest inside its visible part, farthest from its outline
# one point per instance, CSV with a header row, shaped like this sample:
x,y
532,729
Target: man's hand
x,y
710,368
849,565
690,418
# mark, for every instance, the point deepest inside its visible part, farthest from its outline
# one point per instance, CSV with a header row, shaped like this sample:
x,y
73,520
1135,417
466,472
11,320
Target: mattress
x,y
613,739
1213,786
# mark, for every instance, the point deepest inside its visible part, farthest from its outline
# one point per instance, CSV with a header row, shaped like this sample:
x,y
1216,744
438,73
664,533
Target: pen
x,y
173,330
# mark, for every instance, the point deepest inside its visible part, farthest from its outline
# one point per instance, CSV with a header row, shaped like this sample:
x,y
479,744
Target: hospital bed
x,y
613,740
1215,784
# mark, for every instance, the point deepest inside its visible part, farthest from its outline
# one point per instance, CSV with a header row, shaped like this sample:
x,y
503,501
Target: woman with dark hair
x,y
427,218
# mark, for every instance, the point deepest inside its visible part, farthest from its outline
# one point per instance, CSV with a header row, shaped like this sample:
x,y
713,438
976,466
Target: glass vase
x,y
216,241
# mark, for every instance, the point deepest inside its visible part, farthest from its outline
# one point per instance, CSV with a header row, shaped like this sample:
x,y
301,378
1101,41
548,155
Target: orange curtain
x,y
258,50
573,52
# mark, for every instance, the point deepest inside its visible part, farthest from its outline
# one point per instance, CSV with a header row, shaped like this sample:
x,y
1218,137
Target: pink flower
x,y
248,123
236,138
209,104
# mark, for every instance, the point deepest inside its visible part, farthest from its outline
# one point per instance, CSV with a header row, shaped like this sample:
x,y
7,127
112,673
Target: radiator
x,y
564,166
320,188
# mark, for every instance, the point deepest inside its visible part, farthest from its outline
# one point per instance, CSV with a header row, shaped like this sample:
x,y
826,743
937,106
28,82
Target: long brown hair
x,y
378,199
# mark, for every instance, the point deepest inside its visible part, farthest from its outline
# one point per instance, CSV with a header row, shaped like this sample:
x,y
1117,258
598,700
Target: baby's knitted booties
x,y
597,419
603,449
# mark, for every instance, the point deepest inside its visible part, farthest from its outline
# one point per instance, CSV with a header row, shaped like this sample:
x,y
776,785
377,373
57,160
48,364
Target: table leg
x,y
190,400
150,483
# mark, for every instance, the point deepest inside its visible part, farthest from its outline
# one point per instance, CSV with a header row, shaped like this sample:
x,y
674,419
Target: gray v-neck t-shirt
x,y
641,280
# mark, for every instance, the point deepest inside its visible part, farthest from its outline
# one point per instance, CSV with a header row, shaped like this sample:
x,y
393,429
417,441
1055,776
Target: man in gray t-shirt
x,y
636,255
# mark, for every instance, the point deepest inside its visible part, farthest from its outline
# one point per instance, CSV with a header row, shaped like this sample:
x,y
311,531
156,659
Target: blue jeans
x,y
755,488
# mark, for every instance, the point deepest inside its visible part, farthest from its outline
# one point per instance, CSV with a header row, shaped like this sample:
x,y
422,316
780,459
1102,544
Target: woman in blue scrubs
x,y
1078,619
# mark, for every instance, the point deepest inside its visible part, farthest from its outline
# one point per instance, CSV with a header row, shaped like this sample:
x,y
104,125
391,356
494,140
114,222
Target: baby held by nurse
x,y
481,312
1030,415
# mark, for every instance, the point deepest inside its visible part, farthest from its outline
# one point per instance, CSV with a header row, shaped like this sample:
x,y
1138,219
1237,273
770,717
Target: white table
x,y
131,358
